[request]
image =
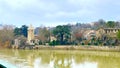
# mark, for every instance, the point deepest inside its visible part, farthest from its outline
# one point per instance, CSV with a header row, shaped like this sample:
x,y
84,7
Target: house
x,y
111,32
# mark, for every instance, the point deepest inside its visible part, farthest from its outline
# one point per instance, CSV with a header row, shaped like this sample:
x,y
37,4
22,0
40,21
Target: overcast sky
x,y
57,12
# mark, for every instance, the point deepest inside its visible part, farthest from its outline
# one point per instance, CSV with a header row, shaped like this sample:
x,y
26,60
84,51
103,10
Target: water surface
x,y
60,59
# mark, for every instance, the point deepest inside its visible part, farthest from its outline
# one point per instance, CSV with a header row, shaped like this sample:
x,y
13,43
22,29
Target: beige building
x,y
30,34
109,31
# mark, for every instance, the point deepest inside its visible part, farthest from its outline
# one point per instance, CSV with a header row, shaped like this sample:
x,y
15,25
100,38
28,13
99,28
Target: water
x,y
60,59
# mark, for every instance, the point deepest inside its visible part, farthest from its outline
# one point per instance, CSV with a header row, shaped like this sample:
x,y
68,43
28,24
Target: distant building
x,y
89,34
30,36
111,32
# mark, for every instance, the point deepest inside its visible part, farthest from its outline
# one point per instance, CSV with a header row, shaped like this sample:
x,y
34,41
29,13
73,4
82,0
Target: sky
x,y
57,12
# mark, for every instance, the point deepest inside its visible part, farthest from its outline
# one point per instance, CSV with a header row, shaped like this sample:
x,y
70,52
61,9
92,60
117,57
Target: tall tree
x,y
24,30
17,31
6,35
44,34
110,24
62,33
21,31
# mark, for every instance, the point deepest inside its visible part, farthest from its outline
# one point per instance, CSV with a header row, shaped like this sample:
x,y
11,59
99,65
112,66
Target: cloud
x,y
20,12
20,4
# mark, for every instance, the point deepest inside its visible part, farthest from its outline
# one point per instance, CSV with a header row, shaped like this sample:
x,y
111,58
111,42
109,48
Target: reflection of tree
x,y
63,59
45,58
108,62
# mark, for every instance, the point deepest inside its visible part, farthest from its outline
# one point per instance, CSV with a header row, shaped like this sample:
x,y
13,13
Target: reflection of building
x,y
30,34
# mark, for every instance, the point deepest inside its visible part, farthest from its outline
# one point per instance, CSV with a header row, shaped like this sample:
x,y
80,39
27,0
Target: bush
x,y
104,44
82,44
53,43
40,43
89,43
95,43
113,44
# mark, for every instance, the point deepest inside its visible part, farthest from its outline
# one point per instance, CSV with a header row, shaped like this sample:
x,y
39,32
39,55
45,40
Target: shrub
x,y
95,43
89,43
113,44
82,43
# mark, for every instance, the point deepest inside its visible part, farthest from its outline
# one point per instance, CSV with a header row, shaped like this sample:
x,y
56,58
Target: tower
x,y
30,34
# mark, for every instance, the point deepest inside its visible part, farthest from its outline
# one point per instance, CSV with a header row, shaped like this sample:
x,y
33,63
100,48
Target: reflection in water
x,y
61,59
84,65
52,64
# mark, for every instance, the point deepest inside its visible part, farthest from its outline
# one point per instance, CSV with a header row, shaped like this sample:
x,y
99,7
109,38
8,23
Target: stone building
x,y
30,36
111,32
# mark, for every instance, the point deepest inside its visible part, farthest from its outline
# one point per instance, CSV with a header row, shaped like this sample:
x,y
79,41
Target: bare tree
x,y
6,35
44,35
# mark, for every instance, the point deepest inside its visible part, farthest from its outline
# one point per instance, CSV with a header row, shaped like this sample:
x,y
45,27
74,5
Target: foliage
x,y
24,30
17,31
21,31
6,35
118,34
98,24
110,24
22,40
44,35
79,36
62,33
82,43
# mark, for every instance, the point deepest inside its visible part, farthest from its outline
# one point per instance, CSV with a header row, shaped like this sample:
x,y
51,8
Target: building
x,y
89,34
111,32
30,36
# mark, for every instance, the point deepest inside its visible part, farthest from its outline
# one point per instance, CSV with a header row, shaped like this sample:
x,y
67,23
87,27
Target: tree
x,y
44,35
101,22
6,35
98,24
110,24
62,33
17,31
77,35
118,34
24,30
23,40
117,24
21,31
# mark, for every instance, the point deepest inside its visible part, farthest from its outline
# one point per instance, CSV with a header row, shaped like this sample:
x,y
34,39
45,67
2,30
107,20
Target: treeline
x,y
62,34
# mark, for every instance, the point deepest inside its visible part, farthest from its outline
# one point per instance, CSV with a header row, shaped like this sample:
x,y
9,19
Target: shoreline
x,y
86,47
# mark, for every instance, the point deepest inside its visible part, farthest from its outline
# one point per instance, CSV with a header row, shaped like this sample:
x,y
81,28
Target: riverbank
x,y
91,48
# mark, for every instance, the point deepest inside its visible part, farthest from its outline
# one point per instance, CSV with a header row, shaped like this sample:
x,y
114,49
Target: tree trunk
x,y
61,39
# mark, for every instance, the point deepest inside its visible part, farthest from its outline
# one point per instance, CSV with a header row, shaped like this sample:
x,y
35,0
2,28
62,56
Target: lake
x,y
59,59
